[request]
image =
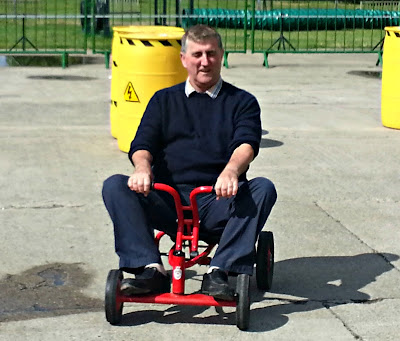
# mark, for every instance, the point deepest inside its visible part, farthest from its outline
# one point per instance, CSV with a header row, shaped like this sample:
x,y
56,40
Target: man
x,y
201,132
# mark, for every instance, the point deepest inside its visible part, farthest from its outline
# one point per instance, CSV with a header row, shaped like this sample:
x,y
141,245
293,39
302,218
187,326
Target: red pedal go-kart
x,y
188,237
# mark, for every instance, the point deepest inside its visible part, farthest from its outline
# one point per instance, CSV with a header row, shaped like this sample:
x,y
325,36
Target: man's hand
x,y
140,180
227,184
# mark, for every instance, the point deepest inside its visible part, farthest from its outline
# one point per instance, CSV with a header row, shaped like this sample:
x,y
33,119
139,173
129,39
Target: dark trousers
x,y
237,221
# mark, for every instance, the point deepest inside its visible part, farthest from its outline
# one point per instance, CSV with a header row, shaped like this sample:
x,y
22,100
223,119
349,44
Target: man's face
x,y
203,63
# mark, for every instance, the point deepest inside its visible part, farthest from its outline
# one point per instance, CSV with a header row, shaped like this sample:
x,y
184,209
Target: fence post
x,y
93,23
155,12
106,20
253,11
245,24
163,21
64,60
177,10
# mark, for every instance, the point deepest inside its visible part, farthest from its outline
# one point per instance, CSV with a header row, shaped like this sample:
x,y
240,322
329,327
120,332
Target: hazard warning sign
x,y
130,94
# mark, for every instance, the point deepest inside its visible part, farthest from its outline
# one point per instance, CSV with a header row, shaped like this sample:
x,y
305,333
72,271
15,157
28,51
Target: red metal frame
x,y
178,299
187,230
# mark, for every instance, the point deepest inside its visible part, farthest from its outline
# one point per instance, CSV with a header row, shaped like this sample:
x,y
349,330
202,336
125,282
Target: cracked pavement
x,y
336,221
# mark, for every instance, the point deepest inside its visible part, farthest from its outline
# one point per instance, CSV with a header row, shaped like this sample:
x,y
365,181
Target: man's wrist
x,y
232,169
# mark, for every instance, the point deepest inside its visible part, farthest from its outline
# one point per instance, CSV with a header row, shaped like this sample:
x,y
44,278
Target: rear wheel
x,y
265,261
113,307
243,301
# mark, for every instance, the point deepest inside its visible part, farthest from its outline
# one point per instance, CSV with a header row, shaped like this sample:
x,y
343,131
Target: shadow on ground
x,y
269,143
307,284
314,282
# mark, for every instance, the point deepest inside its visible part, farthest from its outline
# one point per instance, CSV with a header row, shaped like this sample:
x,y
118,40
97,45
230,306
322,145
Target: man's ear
x,y
183,59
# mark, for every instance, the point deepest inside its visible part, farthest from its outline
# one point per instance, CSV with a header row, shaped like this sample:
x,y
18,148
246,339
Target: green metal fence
x,y
41,27
171,13
331,27
312,26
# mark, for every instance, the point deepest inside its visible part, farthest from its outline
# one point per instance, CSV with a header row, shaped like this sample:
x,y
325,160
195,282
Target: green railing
x,y
41,27
330,27
67,27
171,13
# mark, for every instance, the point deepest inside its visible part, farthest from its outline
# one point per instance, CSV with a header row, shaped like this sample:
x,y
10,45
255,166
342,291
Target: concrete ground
x,y
336,221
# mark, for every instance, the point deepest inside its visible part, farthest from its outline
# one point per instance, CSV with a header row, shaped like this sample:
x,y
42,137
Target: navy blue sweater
x,y
192,139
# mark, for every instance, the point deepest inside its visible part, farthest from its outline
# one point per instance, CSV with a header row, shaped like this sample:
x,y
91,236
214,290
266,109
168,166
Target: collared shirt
x,y
212,92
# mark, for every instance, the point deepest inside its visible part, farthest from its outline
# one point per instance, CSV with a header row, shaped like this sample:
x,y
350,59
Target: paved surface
x,y
336,222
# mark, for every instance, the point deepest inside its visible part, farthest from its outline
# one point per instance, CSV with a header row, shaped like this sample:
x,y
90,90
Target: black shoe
x,y
149,281
216,284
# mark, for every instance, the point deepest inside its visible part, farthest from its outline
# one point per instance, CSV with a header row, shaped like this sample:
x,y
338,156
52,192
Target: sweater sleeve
x,y
148,135
247,125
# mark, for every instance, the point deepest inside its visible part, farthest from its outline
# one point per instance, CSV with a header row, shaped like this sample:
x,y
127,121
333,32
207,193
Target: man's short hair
x,y
199,34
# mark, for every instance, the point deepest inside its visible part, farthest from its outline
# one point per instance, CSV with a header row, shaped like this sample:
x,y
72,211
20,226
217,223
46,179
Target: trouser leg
x,y
245,216
134,217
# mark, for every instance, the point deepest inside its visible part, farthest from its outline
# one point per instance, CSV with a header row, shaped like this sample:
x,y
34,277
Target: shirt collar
x,y
212,92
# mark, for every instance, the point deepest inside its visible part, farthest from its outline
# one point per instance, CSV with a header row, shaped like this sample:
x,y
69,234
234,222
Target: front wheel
x,y
113,307
243,301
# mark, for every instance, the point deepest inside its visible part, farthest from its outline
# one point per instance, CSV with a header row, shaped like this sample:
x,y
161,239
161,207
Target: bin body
x,y
114,81
145,60
390,99
115,67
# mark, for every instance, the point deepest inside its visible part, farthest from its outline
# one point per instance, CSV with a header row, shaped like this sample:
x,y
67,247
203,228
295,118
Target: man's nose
x,y
204,59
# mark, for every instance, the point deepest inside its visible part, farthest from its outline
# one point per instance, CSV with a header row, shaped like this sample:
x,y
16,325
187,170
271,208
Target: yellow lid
x,y
392,28
145,29
151,35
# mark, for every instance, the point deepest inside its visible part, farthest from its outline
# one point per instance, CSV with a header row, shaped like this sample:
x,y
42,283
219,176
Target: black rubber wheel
x,y
243,301
265,261
112,308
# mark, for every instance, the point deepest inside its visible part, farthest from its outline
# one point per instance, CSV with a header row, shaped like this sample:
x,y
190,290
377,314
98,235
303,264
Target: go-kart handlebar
x,y
194,223
177,199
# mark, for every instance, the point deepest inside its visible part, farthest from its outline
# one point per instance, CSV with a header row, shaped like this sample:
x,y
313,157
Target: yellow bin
x,y
390,99
115,65
145,60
